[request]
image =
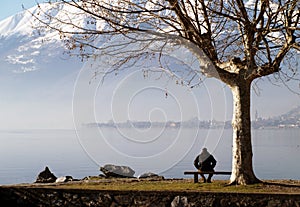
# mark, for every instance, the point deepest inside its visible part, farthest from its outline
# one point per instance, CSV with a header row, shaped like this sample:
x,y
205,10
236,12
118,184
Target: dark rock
x,y
151,175
46,176
116,171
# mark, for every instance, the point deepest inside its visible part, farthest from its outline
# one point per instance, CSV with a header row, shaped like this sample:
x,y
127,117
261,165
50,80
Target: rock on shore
x,y
46,176
110,170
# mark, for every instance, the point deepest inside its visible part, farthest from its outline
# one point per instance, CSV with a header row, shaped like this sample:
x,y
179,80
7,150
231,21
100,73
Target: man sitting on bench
x,y
205,162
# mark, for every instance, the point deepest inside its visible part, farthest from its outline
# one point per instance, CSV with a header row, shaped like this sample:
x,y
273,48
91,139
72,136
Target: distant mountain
x,y
290,119
24,48
293,114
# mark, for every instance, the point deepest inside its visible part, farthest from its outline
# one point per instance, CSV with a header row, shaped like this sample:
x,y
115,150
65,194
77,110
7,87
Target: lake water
x,y
168,152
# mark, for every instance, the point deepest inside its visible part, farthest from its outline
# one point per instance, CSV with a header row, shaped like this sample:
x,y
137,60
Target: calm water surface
x,y
169,152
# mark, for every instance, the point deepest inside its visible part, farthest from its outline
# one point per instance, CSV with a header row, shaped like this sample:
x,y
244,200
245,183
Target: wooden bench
x,y
196,173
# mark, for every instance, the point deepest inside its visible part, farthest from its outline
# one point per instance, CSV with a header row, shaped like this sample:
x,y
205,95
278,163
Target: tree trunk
x,y
242,168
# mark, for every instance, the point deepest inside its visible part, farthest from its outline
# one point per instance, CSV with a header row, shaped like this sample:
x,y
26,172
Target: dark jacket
x,y
206,165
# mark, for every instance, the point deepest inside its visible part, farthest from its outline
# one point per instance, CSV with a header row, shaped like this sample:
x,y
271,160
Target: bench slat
x,y
207,172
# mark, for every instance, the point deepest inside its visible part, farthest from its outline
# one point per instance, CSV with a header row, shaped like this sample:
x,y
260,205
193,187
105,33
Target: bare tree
x,y
241,41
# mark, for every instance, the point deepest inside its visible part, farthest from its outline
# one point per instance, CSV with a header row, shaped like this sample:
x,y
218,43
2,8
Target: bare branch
x,y
260,34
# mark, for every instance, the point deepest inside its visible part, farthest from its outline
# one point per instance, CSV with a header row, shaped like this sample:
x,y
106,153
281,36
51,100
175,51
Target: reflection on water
x,y
169,152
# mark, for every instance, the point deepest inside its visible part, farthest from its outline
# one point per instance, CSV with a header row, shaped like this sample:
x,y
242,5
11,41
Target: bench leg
x,y
195,178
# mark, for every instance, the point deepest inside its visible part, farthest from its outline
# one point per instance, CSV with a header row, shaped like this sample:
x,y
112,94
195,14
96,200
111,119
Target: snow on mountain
x,y
16,24
24,47
24,23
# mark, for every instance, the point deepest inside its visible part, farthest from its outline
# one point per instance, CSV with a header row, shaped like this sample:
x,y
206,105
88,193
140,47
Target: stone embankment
x,y
35,196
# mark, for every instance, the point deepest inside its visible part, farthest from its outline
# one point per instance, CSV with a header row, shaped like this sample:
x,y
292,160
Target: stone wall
x,y
24,196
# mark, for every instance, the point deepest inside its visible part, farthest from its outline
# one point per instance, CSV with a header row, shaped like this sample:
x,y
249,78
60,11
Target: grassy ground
x,y
277,186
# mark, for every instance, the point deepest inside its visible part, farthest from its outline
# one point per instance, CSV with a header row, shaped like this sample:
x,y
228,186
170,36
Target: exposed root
x,y
244,182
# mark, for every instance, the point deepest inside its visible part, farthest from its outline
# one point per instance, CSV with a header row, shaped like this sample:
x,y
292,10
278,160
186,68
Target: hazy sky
x,y
11,7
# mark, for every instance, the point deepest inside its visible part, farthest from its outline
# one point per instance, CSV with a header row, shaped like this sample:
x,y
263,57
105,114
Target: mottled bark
x,y
242,167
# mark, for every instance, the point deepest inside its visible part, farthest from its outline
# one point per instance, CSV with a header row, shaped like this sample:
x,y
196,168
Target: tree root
x,y
236,182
